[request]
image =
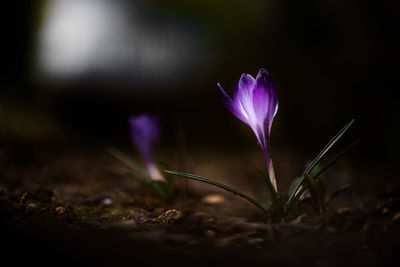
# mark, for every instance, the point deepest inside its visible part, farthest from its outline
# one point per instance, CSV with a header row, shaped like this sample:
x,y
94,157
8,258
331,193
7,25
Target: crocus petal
x,y
145,132
230,104
263,139
246,84
243,98
265,99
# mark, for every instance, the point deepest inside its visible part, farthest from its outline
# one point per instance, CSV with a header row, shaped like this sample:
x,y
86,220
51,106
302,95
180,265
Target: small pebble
x,y
107,202
60,210
209,220
299,219
213,199
31,207
342,210
209,233
385,210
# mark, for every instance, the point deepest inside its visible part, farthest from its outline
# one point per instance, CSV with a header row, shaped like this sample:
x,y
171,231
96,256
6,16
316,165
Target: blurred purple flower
x,y
255,102
145,132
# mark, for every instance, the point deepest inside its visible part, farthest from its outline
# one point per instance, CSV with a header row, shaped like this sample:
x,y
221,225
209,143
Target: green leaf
x,y
311,166
335,159
314,192
316,169
293,186
169,186
163,189
217,184
23,197
130,162
296,198
320,182
311,183
316,174
140,179
168,177
267,205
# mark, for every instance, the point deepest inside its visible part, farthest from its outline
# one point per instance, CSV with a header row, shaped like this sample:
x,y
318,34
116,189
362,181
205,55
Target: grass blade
x,y
311,166
128,161
314,192
217,184
291,204
319,172
336,158
293,185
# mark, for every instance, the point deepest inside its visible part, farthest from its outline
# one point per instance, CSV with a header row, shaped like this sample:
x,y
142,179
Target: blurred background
x,y
73,71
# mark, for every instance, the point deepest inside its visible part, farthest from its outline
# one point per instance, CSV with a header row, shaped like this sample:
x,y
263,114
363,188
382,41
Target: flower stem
x,y
272,176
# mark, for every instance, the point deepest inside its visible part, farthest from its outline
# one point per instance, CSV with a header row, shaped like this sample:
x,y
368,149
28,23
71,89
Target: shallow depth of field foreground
x,y
229,133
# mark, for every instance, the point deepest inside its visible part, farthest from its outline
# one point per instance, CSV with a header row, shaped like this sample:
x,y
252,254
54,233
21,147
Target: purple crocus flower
x,y
145,132
255,102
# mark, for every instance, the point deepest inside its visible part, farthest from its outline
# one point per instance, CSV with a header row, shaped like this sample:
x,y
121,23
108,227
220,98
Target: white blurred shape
x,y
73,34
110,39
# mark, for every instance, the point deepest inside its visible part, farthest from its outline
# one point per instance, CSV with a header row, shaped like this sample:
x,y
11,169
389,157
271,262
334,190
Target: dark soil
x,y
68,207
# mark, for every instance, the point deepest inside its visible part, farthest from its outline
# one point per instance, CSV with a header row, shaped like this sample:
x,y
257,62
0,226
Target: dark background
x,y
331,61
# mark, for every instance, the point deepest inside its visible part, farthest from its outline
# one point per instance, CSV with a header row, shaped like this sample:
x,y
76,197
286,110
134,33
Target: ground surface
x,y
68,207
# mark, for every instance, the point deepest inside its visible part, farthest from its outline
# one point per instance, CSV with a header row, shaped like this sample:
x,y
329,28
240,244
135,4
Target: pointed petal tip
x,y
221,90
230,104
262,70
222,94
246,77
263,73
246,82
